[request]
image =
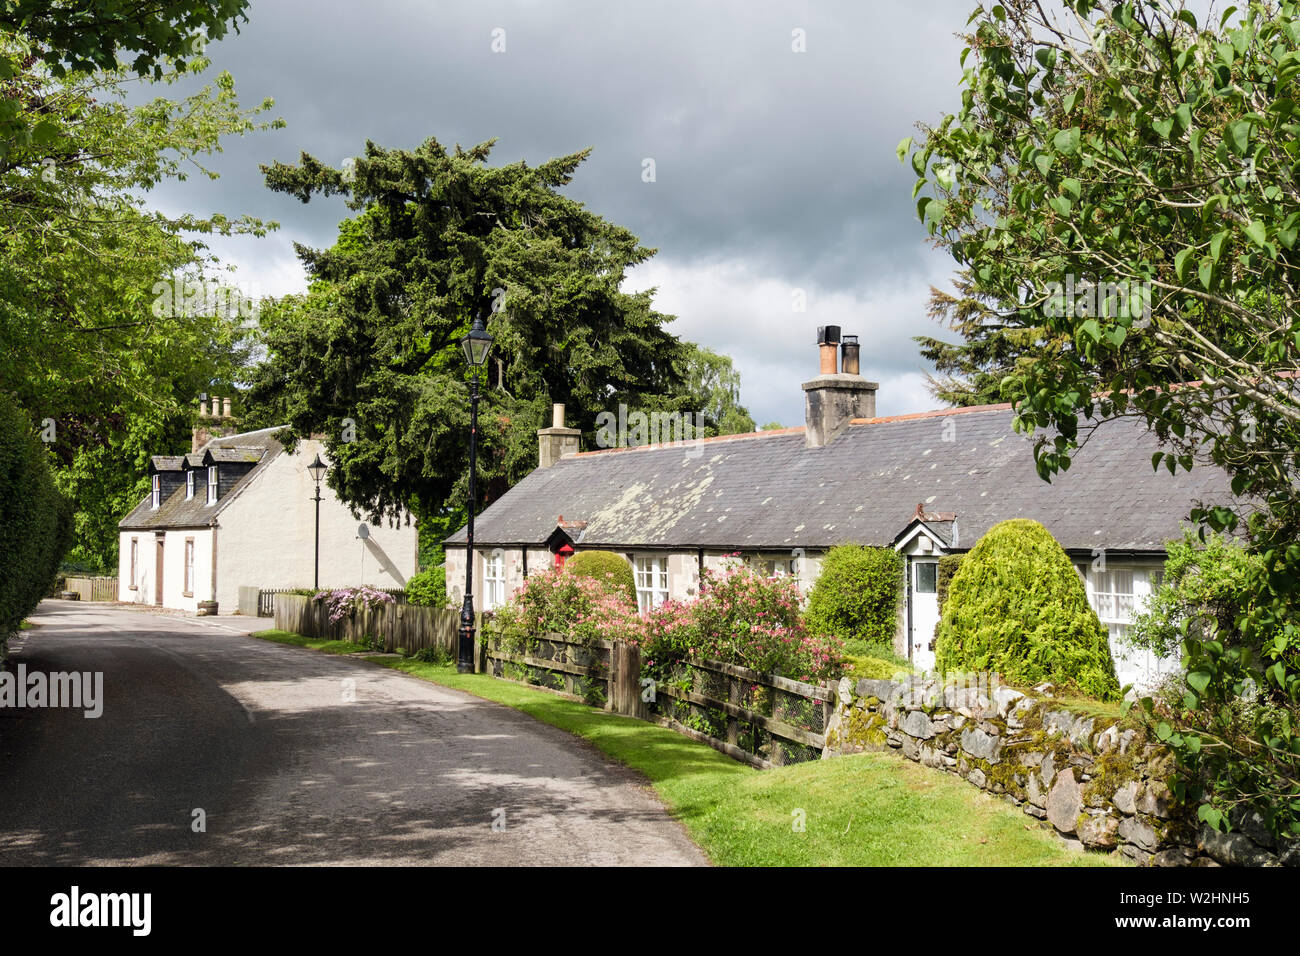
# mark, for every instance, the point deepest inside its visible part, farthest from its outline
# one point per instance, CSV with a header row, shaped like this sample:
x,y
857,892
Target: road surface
x,y
261,742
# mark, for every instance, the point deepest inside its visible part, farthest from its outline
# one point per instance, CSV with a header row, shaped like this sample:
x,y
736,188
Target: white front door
x,y
925,611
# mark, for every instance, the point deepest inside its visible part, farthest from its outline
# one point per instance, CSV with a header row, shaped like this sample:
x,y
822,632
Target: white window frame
x,y
1116,606
916,575
189,566
212,483
651,574
773,566
155,491
135,563
1133,665
189,483
494,580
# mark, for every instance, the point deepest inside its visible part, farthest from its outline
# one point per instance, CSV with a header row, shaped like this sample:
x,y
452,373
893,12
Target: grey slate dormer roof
x,y
247,454
767,491
166,463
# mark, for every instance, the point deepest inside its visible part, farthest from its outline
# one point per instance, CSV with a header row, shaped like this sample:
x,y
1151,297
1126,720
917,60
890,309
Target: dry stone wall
x,y
1101,786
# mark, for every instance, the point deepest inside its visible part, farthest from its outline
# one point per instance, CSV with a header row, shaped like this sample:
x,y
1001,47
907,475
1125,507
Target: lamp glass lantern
x,y
317,469
477,344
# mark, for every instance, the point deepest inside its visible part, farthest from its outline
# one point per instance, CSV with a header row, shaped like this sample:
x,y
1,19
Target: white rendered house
x,y
239,511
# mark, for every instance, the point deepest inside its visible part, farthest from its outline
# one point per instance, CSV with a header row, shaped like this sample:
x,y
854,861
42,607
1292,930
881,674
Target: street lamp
x,y
317,470
477,344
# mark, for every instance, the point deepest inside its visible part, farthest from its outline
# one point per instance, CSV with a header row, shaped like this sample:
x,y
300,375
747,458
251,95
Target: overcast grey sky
x,y
775,169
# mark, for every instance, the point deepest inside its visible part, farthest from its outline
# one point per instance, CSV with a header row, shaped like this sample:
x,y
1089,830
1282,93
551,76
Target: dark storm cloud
x,y
771,166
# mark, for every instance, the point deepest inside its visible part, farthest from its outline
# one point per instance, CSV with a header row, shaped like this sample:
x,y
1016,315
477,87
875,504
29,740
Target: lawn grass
x,y
874,809
870,660
1090,706
315,643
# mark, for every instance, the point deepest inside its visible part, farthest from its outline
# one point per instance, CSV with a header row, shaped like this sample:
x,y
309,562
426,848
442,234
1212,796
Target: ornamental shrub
x,y
556,601
344,602
35,520
1017,607
1207,585
428,588
607,566
948,565
857,595
741,617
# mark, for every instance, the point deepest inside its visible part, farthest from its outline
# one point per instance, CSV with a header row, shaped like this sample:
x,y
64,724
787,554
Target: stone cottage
x,y
926,484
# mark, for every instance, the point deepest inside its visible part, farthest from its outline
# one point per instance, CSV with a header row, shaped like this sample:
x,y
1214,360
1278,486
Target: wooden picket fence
x,y
93,589
266,598
406,626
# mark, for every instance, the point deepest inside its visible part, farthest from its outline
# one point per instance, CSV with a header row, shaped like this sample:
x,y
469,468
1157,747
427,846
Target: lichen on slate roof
x,y
768,491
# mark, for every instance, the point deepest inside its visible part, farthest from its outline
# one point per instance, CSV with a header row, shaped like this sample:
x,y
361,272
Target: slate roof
x,y
177,512
166,463
768,491
216,454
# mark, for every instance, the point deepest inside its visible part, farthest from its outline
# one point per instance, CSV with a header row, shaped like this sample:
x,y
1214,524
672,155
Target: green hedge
x,y
1017,607
607,566
35,519
857,595
948,565
428,588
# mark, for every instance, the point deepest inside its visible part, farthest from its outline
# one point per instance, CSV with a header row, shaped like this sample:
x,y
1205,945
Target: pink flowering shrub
x,y
342,602
580,607
740,617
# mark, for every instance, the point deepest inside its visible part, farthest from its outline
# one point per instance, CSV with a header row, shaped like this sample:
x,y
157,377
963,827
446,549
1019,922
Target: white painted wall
x,y
140,589
174,593
265,536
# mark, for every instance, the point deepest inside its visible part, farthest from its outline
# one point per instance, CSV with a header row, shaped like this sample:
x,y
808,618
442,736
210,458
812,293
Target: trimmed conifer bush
x,y
1017,607
857,595
35,519
605,566
948,565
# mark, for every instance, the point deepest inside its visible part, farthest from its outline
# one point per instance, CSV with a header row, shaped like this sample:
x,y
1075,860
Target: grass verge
x,y
315,643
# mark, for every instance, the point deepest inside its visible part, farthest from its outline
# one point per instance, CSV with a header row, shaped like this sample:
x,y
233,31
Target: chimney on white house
x,y
557,441
214,421
834,398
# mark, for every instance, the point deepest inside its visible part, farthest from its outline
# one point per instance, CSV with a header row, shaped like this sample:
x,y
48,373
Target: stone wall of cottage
x,y
1100,786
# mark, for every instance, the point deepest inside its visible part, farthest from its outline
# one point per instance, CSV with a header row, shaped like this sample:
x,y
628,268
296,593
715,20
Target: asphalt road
x,y
286,770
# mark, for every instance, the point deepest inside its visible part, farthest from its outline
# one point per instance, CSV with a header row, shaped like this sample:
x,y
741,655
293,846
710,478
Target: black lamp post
x,y
477,344
317,469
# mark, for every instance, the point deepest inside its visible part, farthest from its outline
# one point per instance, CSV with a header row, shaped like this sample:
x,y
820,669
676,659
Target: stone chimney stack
x,y
557,441
834,398
214,421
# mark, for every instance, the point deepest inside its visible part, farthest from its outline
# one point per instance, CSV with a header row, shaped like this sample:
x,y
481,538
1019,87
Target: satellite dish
x,y
363,532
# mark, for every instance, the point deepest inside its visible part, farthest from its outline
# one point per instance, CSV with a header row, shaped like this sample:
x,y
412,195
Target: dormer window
x,y
157,491
212,483
189,484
